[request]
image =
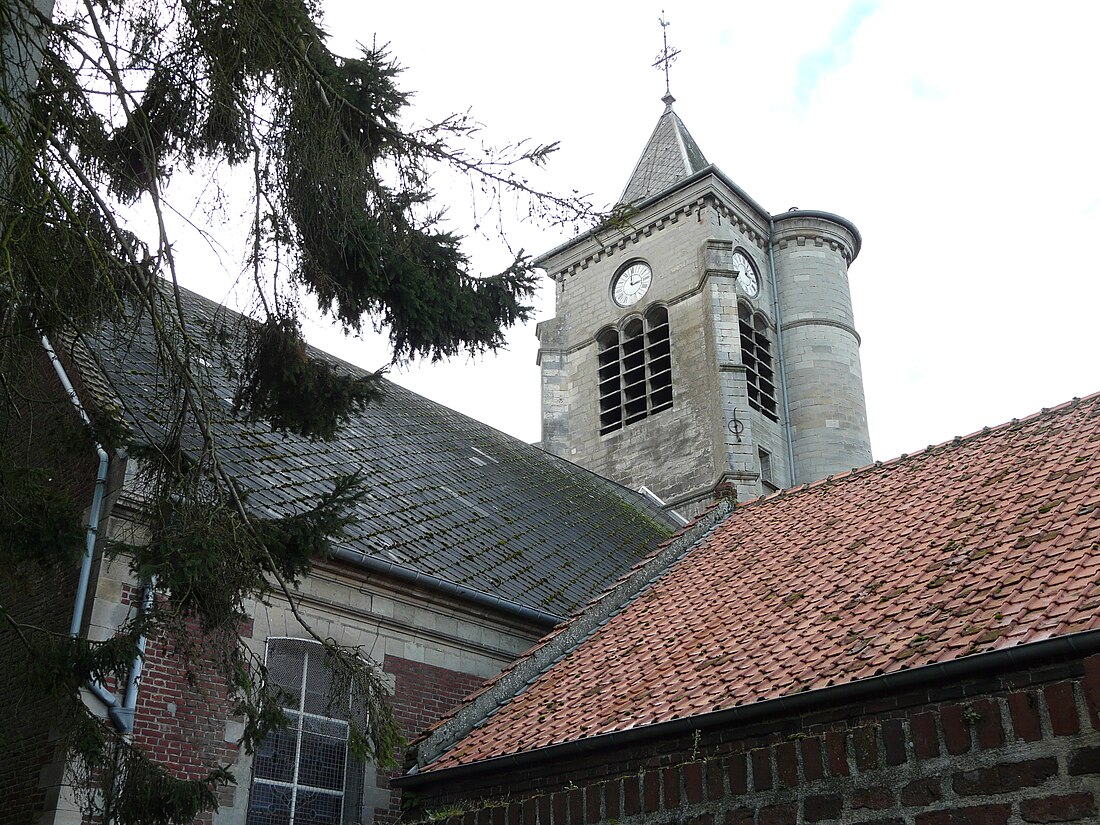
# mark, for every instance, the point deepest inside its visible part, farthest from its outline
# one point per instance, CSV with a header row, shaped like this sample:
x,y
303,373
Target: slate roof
x,y
987,542
447,496
670,156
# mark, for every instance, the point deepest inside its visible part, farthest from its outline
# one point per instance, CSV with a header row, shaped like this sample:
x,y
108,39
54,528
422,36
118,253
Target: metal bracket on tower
x,y
736,426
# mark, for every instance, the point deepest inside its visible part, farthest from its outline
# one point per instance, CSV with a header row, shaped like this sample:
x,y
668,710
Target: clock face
x,y
746,274
631,284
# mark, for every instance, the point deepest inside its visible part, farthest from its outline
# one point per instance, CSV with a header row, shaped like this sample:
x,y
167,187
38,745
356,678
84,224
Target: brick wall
x,y
182,719
422,694
44,434
27,736
1020,748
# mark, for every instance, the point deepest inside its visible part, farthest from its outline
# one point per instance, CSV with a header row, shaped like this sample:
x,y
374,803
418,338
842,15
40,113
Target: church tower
x,y
702,345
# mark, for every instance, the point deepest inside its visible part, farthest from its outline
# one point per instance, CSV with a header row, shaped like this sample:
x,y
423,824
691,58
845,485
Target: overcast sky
x,y
960,137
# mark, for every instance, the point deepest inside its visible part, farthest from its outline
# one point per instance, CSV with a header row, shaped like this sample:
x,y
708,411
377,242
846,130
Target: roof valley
x,y
564,639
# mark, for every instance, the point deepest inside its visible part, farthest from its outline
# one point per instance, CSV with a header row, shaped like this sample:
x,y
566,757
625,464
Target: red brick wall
x,y
181,718
181,714
41,435
1021,748
27,738
422,694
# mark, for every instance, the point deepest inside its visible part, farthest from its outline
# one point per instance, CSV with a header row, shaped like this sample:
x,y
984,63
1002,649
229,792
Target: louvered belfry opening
x,y
610,381
635,370
756,355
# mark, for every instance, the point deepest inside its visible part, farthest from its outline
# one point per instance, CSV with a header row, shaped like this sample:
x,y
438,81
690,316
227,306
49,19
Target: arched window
x,y
635,370
305,774
756,355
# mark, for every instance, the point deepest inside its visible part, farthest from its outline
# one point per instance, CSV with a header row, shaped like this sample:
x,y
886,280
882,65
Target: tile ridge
x,y
563,639
905,458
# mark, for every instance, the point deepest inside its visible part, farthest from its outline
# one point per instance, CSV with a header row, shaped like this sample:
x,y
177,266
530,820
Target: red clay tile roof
x,y
982,543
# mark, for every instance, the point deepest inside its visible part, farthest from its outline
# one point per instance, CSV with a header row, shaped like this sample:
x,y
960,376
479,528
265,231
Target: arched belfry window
x,y
756,355
635,370
305,773
659,358
610,381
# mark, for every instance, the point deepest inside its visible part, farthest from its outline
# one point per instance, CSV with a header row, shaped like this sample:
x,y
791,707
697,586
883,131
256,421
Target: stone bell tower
x,y
703,345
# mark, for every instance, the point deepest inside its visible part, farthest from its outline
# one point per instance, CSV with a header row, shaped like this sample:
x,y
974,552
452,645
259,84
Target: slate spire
x,y
670,156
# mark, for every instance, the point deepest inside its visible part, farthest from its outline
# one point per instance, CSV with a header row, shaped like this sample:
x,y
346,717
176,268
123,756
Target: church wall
x,y
431,651
1020,747
46,433
742,429
674,451
682,454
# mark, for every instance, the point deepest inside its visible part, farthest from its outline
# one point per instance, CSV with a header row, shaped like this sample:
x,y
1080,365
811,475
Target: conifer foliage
x,y
101,101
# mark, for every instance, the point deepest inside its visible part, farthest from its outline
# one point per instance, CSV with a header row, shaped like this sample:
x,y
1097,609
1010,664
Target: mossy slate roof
x,y
445,496
987,542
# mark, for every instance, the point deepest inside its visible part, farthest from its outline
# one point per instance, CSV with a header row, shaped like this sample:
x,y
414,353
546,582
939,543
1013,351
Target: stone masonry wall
x,y
821,348
1022,748
681,453
672,452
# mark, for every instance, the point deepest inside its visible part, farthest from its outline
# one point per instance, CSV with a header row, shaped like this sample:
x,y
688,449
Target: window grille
x,y
634,370
304,773
757,357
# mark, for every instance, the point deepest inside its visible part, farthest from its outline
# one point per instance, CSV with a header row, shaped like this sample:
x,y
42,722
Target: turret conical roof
x,y
670,156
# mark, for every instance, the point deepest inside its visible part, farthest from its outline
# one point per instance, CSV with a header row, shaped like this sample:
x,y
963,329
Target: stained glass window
x,y
304,775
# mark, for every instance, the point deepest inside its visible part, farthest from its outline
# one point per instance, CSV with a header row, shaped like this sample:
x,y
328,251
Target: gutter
x,y
120,714
977,665
461,591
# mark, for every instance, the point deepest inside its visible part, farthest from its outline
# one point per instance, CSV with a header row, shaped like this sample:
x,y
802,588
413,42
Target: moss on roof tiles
x,y
501,526
896,566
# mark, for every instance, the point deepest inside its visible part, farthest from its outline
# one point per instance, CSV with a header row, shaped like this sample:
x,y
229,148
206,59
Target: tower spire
x,y
665,58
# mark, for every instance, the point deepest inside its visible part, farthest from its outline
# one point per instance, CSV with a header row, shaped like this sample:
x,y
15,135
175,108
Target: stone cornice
x,y
379,621
610,248
709,189
820,229
823,322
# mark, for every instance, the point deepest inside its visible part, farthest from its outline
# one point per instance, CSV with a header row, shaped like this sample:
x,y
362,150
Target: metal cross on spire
x,y
666,56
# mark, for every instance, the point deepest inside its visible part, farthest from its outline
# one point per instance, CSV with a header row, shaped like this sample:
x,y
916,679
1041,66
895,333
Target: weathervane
x,y
665,58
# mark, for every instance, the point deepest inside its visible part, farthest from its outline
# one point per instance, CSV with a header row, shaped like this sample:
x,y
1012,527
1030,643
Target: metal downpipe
x,y
779,351
121,715
97,497
133,679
